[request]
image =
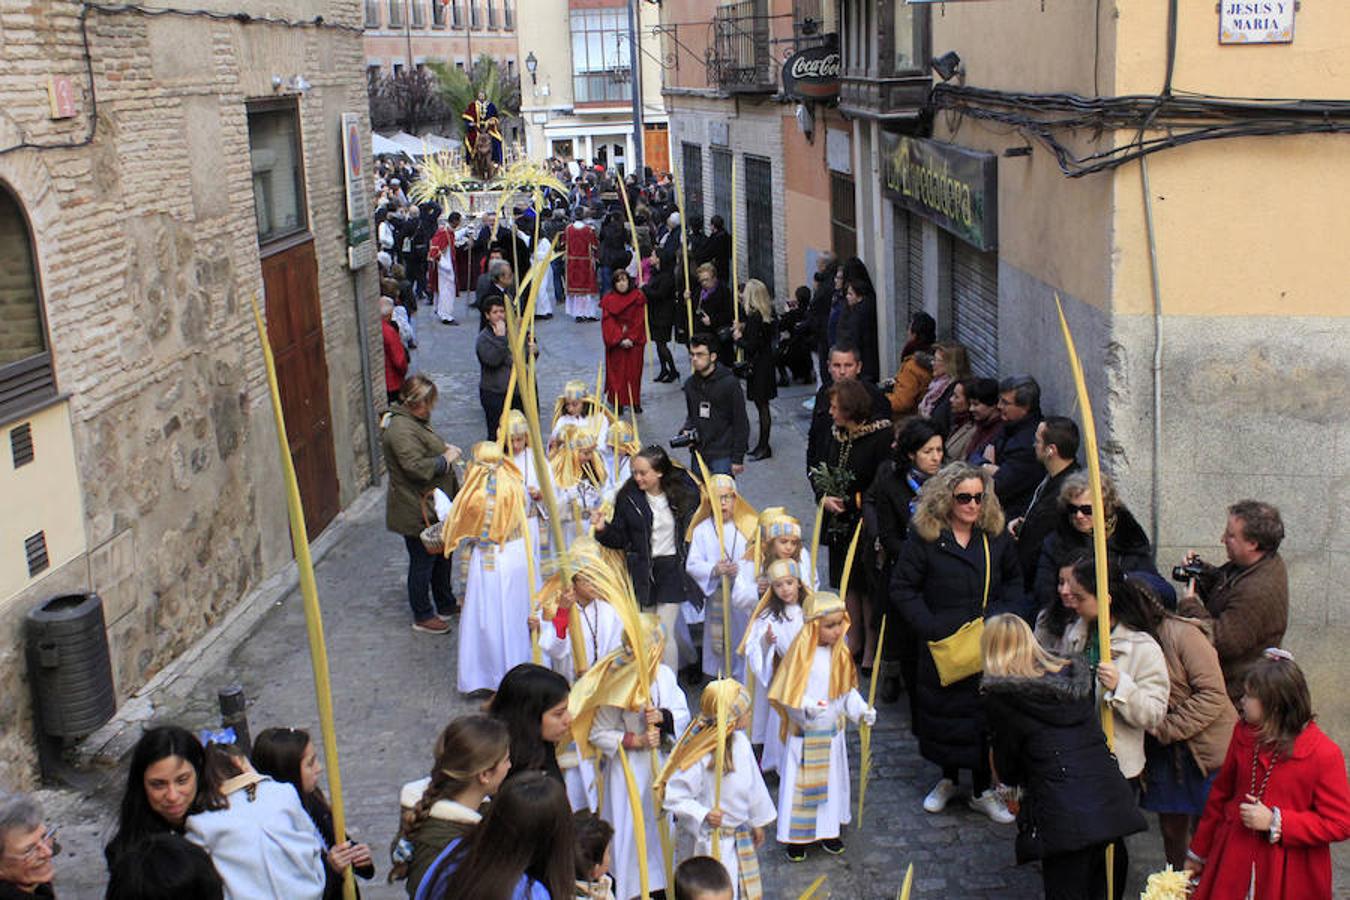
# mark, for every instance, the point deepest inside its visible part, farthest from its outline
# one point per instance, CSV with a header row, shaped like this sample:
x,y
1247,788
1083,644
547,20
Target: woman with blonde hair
x,y
951,365
1044,738
754,335
957,565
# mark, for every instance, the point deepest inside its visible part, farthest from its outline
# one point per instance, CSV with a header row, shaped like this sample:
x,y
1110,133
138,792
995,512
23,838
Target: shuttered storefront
x,y
693,179
843,217
907,245
975,306
721,198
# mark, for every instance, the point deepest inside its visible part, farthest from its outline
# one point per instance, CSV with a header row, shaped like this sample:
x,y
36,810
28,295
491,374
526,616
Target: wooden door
x,y
295,331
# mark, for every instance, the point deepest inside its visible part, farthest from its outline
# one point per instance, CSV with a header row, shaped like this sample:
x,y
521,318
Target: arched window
x,y
26,377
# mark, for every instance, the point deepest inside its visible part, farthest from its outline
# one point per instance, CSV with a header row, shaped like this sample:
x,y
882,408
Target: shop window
x,y
26,376
278,182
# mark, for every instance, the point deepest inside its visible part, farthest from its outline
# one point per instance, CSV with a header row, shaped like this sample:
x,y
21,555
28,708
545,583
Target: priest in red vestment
x,y
582,245
623,325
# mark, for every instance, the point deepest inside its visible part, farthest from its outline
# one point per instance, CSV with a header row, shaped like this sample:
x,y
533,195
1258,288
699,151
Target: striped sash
x,y
712,625
812,783
747,864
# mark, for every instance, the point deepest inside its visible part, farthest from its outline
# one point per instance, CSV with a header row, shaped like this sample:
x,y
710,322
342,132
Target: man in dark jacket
x,y
715,409
818,312
1015,468
494,361
844,362
1246,600
1056,447
717,249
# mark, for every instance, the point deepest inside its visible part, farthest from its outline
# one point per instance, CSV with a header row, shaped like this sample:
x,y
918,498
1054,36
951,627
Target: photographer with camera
x,y
715,422
1245,600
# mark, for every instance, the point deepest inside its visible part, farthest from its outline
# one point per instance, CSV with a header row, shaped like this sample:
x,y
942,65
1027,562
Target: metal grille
x,y
975,306
907,245
759,219
693,179
21,444
843,217
914,251
741,45
35,549
722,199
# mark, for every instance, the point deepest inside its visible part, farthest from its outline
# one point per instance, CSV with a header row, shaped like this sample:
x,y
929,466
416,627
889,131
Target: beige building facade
x,y
578,102
408,34
1205,294
140,457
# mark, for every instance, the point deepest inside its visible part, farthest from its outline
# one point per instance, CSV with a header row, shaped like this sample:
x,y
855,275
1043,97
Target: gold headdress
x,y
490,506
592,406
743,515
566,464
779,568
789,682
723,703
516,424
622,678
623,439
774,522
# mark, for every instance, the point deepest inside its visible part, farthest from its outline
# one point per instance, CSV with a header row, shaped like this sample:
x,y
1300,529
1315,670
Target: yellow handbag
x,y
958,656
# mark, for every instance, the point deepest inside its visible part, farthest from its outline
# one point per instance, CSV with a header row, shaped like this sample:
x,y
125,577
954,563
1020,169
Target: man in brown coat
x,y
1246,600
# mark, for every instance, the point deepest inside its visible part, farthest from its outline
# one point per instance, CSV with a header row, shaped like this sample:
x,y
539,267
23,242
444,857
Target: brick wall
x,y
148,254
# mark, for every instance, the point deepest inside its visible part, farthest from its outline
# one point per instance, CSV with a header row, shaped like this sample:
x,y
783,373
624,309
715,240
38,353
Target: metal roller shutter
x,y
759,220
975,306
914,252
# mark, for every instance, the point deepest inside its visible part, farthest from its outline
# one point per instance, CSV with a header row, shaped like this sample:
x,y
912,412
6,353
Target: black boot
x,y
762,449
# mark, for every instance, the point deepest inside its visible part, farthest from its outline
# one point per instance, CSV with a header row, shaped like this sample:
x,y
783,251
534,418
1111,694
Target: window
x,y
459,64
457,13
508,15
26,373
475,15
372,13
372,74
395,13
910,35
759,219
278,183
437,14
510,68
419,13
398,69
601,65
843,217
492,14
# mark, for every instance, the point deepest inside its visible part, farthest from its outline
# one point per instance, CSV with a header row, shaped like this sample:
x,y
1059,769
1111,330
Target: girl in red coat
x,y
1279,801
623,326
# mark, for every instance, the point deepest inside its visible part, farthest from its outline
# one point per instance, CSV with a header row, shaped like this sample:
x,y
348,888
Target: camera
x,y
687,437
1193,569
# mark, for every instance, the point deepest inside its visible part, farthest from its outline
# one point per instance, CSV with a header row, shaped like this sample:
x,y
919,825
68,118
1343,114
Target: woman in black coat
x,y
1046,739
858,326
755,336
1126,543
660,292
858,445
938,586
712,312
652,511
887,508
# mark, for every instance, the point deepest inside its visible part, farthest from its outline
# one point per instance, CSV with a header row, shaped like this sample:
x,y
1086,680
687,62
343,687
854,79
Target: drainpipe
x,y
1155,487
367,396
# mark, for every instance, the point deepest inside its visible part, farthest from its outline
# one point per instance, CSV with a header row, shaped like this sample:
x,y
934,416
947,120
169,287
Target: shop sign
x,y
955,187
360,247
813,73
1256,21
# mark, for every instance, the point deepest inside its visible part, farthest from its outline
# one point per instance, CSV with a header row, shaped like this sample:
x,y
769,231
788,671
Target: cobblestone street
x,y
393,688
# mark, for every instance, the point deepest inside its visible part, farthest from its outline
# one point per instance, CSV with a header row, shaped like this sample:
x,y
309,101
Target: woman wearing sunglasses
x,y
958,564
1126,543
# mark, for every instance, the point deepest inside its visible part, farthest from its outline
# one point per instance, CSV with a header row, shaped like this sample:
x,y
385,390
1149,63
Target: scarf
x,y
747,864
915,479
812,781
933,394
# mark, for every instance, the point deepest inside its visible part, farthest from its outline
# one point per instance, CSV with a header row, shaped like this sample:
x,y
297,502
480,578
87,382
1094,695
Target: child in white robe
x,y
616,456
577,406
609,711
578,481
773,627
739,815
538,539
489,514
814,691
543,301
706,563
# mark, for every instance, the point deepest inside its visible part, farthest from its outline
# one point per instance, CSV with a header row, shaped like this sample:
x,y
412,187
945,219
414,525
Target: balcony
x,y
885,49
740,58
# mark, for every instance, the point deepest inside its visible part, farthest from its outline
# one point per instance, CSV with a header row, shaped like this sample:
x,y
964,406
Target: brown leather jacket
x,y
1248,611
1198,711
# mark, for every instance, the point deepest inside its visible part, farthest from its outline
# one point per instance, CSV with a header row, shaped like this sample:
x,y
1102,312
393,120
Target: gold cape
x,y
723,703
615,680
490,506
789,683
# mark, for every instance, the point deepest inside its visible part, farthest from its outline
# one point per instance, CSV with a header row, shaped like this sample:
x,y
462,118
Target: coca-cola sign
x,y
813,73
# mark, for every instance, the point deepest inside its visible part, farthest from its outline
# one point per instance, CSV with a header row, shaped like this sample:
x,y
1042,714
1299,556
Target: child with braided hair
x,y
473,755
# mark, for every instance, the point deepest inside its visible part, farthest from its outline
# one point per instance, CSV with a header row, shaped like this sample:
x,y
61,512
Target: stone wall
x,y
148,255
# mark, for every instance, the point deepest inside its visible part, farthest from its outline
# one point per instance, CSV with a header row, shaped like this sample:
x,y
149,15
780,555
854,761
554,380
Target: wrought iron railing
x,y
740,57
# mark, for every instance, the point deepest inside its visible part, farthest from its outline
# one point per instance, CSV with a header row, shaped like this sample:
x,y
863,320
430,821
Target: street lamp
x,y
532,66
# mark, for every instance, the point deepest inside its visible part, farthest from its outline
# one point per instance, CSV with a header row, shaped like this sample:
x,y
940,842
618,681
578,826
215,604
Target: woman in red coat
x,y
623,326
1280,800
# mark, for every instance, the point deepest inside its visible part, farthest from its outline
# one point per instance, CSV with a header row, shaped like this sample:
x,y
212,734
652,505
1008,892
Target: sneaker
x,y
833,846
432,625
939,796
992,805
796,852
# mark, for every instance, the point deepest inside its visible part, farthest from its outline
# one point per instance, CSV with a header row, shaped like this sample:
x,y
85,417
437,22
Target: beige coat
x,y
1198,710
1139,702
